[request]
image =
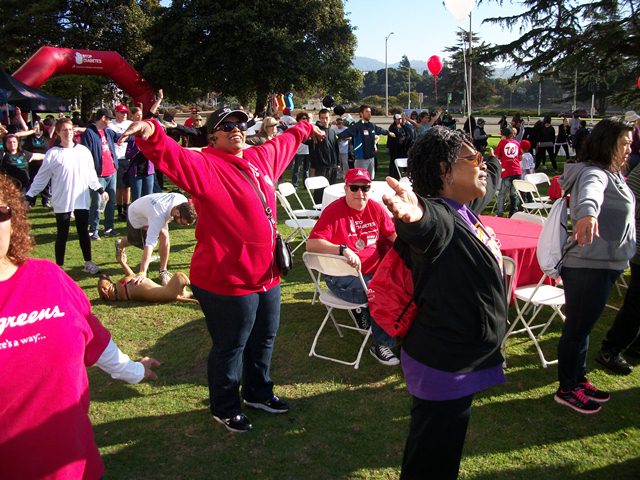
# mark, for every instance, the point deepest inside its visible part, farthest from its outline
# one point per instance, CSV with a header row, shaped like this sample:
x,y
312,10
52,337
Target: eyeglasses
x,y
476,158
355,188
229,126
5,213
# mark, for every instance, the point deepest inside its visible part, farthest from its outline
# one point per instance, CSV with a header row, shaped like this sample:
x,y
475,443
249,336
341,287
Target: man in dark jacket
x,y
325,155
101,141
364,134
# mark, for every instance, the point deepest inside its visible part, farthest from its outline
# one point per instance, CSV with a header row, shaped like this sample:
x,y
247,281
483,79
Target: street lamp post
x,y
386,77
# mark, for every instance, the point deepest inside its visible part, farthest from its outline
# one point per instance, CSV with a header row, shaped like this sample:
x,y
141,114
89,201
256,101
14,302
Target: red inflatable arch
x,y
49,61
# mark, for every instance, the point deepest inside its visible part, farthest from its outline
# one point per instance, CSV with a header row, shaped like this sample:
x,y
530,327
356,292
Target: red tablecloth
x,y
518,240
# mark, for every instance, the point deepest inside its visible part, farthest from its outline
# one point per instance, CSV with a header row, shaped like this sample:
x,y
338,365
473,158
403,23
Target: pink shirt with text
x,y
48,336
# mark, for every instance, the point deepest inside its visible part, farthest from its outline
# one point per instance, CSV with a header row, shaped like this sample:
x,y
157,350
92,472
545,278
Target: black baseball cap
x,y
104,112
217,117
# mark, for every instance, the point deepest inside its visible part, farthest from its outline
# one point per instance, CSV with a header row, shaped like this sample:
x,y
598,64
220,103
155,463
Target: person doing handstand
x,y
133,287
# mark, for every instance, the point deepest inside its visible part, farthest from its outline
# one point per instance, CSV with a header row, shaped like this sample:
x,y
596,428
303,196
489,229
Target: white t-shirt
x,y
121,150
72,174
527,162
153,211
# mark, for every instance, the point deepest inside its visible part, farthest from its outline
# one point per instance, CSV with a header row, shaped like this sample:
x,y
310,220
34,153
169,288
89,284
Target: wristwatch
x,y
341,249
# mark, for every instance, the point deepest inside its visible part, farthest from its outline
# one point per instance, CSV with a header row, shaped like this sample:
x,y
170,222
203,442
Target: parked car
x,y
581,112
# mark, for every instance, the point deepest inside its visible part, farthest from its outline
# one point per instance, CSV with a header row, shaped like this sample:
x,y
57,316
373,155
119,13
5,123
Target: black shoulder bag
x,y
284,259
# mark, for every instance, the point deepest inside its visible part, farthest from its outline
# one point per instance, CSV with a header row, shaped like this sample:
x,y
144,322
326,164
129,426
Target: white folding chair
x,y
315,183
287,190
528,217
537,205
299,225
539,178
319,264
401,163
529,302
405,180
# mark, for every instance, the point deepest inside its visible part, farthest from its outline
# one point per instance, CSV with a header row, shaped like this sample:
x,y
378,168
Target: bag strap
x,y
267,209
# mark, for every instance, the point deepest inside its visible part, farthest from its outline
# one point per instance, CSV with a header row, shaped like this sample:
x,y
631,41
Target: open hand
x,y
404,204
585,230
149,362
318,135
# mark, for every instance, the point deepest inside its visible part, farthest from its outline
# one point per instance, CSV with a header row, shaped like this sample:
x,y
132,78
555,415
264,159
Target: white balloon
x,y
460,8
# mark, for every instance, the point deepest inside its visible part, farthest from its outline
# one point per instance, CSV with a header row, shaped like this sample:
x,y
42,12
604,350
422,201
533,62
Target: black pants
x,y
34,167
626,326
541,156
63,221
436,437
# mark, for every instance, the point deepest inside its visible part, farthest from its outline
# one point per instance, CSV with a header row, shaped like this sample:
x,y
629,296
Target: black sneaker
x,y
577,400
593,393
614,362
274,405
384,355
363,318
633,351
238,424
111,233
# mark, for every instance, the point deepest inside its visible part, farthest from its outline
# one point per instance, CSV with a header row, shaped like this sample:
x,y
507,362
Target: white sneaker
x,y
90,267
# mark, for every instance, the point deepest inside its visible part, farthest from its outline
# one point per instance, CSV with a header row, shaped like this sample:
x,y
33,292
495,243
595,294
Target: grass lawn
x,y
344,423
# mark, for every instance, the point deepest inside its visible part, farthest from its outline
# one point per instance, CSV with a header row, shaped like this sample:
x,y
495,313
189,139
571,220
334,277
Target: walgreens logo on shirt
x,y
23,319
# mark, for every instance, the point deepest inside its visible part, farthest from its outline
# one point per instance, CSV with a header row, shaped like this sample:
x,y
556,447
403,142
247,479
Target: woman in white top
x,y
70,169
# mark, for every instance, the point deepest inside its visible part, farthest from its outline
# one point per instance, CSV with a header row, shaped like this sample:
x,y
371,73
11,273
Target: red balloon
x,y
434,64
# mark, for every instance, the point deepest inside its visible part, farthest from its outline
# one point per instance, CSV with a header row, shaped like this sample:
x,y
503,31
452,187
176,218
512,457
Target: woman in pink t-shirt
x,y
46,342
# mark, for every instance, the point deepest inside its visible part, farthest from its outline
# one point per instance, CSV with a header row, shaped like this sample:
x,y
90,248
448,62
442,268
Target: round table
x,y
336,191
518,240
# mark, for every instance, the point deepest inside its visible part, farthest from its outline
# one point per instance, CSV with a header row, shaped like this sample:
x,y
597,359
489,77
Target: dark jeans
x,y
436,437
541,157
305,161
141,185
63,221
349,289
586,291
626,326
243,330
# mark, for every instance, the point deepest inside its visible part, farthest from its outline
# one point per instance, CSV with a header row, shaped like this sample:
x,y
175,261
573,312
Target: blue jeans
x,y
109,185
586,291
243,330
141,185
349,289
305,161
506,185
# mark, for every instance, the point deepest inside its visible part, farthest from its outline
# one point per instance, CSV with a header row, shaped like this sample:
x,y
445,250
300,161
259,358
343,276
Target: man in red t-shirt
x,y
509,153
355,228
101,141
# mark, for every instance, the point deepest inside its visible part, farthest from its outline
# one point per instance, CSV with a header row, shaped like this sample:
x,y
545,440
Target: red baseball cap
x,y
357,175
122,109
194,110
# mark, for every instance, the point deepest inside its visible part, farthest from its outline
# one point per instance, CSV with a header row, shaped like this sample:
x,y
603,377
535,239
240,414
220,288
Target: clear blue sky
x,y
421,27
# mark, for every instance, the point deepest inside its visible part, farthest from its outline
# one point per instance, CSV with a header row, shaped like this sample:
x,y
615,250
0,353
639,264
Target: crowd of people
x,y
229,165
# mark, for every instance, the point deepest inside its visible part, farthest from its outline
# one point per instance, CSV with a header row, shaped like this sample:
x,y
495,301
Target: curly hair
x,y
600,145
188,212
432,156
20,243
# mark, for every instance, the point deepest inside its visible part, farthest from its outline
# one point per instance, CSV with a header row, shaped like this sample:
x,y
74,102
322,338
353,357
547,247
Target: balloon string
x,y
436,79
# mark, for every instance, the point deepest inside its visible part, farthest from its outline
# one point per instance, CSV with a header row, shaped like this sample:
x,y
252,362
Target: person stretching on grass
x,y
132,287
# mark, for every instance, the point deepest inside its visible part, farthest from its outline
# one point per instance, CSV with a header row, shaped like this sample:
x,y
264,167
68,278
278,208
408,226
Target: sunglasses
x,y
355,188
477,159
5,213
229,126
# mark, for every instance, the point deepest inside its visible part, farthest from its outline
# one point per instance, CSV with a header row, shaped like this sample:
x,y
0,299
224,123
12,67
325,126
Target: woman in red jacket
x,y
233,274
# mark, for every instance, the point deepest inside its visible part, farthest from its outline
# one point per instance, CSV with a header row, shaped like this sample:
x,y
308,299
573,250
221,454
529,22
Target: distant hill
x,y
365,64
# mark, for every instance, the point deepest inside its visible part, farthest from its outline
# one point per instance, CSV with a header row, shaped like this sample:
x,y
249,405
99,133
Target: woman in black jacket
x,y
452,349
